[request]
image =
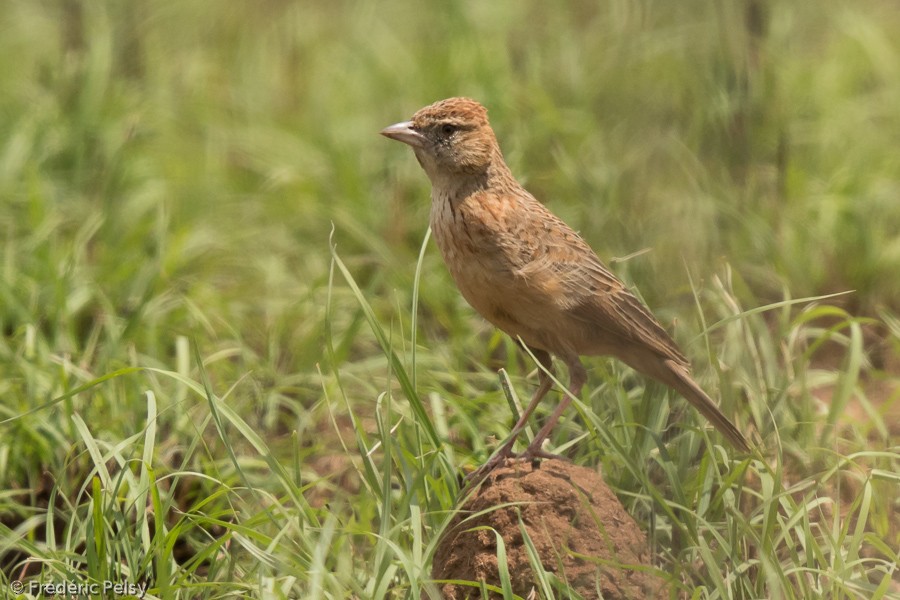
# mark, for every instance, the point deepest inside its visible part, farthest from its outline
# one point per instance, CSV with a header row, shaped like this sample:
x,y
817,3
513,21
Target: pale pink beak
x,y
404,132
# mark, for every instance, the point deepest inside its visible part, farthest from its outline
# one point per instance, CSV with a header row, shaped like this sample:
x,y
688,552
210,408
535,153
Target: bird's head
x,y
451,138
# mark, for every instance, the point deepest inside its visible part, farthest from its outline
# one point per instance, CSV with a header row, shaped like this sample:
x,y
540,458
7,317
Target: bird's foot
x,y
484,470
531,454
534,454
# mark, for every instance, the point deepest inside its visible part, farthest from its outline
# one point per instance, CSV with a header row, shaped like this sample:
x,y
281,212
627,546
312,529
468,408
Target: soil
x,y
579,528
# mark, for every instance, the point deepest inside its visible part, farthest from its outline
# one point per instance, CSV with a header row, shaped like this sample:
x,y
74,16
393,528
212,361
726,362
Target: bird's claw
x,y
529,455
484,470
533,454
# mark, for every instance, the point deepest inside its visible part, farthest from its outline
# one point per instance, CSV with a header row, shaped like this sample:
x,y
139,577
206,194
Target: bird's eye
x,y
447,129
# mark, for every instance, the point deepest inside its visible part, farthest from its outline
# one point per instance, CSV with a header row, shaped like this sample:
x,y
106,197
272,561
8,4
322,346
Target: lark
x,y
529,274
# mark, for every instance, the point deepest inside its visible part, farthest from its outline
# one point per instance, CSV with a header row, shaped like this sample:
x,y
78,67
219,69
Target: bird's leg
x,y
505,451
577,377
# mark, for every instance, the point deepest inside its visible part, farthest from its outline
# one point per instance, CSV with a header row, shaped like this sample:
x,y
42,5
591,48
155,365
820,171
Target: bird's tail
x,y
678,377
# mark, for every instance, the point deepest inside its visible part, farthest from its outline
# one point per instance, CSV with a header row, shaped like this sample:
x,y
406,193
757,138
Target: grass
x,y
229,368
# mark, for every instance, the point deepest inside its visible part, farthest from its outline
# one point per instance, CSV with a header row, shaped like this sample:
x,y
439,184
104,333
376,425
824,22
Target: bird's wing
x,y
564,264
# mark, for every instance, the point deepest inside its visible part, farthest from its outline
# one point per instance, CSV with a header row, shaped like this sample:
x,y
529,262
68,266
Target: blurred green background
x,y
171,173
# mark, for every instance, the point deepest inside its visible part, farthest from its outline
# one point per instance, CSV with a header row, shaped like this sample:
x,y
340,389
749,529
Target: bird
x,y
531,275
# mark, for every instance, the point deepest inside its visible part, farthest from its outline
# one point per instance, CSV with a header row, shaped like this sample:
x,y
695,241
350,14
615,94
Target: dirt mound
x,y
581,533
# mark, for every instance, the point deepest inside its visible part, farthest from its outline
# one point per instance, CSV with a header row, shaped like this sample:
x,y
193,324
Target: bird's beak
x,y
404,132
